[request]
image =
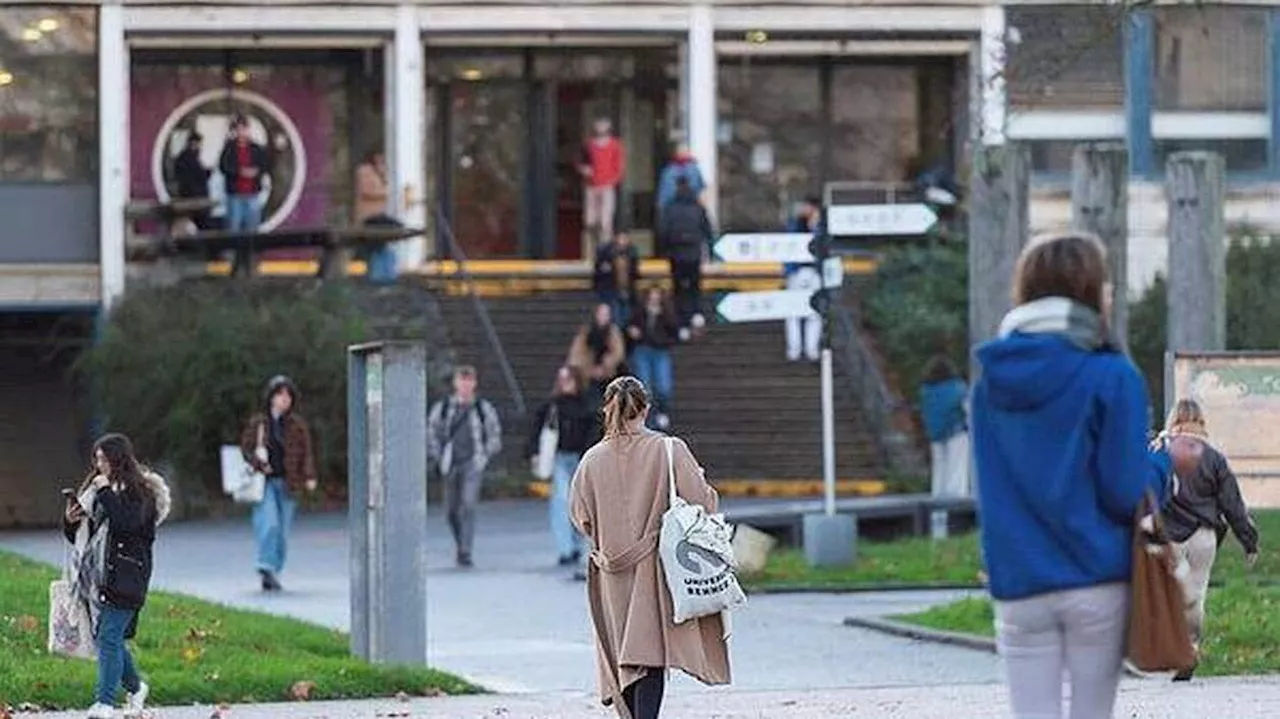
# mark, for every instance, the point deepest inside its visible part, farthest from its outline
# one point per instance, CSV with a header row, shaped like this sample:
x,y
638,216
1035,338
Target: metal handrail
x,y
482,312
872,392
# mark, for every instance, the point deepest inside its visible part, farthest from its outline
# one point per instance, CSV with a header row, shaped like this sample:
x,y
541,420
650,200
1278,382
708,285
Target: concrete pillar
x,y
1100,205
992,59
703,119
387,505
999,223
1197,252
406,105
113,149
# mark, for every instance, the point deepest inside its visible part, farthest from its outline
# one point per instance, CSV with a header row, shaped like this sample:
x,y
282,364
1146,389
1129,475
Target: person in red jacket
x,y
602,169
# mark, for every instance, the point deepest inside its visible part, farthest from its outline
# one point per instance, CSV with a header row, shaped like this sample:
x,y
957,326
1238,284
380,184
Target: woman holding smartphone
x,y
112,523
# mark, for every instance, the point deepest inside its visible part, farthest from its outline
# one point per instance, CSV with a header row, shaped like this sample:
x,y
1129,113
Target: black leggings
x,y
644,697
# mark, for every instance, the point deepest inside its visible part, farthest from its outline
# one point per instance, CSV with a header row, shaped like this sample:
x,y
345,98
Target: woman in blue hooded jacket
x,y
943,395
1059,421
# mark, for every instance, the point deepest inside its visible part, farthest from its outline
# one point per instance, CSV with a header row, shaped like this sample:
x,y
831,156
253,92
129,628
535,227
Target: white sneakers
x,y
134,704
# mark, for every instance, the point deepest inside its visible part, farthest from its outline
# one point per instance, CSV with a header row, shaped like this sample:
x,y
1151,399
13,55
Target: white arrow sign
x,y
765,247
765,306
879,220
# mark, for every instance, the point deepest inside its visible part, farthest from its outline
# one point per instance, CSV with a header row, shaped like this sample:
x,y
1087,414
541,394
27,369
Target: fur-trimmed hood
x,y
159,488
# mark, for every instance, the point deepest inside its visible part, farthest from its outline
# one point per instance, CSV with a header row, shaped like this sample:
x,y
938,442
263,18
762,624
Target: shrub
x,y
180,369
917,306
1253,311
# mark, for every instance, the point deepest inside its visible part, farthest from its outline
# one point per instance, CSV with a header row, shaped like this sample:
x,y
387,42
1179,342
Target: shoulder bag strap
x,y
671,470
262,432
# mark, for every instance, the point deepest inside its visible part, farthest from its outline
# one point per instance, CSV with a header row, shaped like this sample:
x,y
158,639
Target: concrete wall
x,y
1254,205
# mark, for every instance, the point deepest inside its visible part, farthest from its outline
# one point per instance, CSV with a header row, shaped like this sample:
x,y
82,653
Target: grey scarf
x,y
1058,316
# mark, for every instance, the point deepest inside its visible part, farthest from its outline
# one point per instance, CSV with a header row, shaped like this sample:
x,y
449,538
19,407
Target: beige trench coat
x,y
618,498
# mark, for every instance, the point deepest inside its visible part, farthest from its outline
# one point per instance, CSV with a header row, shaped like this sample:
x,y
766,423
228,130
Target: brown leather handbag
x,y
1159,639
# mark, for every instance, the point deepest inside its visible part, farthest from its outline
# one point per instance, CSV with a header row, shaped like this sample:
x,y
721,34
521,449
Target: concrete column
x,y
406,105
703,119
994,110
1273,87
1100,205
999,223
113,149
1197,252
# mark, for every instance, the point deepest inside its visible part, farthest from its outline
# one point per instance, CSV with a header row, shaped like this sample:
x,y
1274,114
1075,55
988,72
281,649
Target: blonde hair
x,y
625,401
1186,418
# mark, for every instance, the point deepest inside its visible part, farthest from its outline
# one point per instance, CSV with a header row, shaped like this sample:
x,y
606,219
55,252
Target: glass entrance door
x,y
484,162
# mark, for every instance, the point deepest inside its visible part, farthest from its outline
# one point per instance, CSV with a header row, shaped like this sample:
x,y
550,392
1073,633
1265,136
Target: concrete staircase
x,y
747,412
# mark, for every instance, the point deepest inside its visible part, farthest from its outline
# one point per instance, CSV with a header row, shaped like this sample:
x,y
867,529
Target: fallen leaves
x,y
27,624
6,711
220,712
301,691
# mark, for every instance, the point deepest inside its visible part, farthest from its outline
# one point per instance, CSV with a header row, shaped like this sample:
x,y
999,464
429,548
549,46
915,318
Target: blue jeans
x,y
568,543
244,213
653,367
272,520
115,665
619,305
382,265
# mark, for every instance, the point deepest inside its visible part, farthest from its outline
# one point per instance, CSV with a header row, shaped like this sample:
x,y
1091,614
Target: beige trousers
x,y
1194,565
600,205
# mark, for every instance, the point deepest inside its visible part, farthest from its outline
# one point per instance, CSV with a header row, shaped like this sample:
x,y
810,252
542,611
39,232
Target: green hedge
x,y
180,369
917,306
1253,310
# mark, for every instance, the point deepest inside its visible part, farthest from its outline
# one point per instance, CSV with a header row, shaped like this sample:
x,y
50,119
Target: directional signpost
x,y
765,247
770,306
880,220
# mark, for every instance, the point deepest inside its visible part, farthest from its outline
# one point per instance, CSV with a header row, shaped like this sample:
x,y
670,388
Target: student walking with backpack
x,y
620,494
1059,422
112,523
463,435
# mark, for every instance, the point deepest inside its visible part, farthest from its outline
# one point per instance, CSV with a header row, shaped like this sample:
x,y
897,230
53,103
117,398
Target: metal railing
x,y
482,313
871,391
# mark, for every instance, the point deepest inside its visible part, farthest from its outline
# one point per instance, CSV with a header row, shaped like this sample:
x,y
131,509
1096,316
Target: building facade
x,y
482,108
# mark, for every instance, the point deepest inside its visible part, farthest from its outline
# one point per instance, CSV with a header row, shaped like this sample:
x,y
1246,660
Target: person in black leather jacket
x,y
1201,505
118,508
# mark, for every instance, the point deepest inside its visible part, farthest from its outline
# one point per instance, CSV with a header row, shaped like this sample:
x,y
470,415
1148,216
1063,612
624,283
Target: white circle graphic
x,y
294,194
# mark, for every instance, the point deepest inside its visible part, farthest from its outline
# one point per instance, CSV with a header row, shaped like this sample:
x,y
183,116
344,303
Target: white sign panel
x,y
832,272
765,247
879,220
765,306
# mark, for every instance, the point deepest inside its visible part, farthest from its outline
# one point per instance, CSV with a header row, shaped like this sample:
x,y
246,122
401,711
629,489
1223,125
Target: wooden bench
x,y
787,516
248,245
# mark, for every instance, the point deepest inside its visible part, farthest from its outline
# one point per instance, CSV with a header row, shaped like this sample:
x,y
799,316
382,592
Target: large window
x,y
1211,73
1211,59
1065,70
1065,58
48,94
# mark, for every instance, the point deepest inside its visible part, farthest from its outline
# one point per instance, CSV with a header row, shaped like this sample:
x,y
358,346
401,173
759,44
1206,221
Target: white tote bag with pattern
x,y
696,549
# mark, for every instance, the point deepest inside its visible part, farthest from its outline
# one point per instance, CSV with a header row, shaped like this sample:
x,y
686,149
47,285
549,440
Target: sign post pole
x,y
387,429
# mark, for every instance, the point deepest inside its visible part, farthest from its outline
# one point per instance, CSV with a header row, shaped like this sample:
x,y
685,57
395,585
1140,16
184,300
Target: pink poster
x,y
288,114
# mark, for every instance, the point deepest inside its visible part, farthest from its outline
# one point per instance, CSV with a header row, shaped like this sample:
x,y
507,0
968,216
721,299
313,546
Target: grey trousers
x,y
1195,559
461,497
1079,633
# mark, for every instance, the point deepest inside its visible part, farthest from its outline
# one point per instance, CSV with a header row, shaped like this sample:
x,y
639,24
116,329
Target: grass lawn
x,y
908,561
192,651
1242,633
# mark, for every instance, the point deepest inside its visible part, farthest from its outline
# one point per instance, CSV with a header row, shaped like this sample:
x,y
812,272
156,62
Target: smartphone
x,y
68,494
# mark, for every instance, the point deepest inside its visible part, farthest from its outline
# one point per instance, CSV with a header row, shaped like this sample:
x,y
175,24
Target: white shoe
x,y
698,321
685,334
101,711
135,704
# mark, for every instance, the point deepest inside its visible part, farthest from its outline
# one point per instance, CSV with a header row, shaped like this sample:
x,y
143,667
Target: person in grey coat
x,y
463,435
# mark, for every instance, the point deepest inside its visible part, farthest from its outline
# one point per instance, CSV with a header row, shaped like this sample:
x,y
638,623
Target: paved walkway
x,y
1229,699
517,624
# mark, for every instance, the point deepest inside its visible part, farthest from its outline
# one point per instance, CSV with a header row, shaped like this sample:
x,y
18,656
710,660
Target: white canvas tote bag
x,y
696,549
